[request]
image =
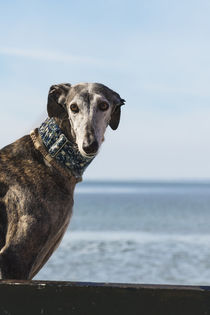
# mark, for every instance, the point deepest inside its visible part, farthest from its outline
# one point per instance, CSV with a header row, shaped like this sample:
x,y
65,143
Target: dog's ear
x,y
115,117
57,99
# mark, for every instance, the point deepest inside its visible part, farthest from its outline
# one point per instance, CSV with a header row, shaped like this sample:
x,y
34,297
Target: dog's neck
x,y
64,124
62,149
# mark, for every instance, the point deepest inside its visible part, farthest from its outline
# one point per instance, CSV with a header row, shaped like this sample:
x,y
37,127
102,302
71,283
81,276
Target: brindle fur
x,y
35,199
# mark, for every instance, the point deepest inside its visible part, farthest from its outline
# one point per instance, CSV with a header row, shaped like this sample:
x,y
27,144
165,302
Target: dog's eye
x,y
74,108
103,106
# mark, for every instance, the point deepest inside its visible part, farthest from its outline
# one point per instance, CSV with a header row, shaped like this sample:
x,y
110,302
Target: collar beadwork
x,y
61,149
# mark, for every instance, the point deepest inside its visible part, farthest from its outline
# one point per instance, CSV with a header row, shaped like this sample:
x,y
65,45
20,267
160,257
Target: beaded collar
x,y
66,153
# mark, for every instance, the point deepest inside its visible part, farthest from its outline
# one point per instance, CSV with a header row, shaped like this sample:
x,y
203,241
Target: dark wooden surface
x,y
41,297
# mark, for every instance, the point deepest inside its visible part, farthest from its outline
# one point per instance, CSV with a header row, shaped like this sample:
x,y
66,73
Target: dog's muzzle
x,y
90,148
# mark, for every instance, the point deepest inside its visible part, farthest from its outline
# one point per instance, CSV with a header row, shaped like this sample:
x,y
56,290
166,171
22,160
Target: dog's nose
x,y
90,148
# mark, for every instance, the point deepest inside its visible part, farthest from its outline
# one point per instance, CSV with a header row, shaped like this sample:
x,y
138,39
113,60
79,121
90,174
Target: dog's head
x,y
90,108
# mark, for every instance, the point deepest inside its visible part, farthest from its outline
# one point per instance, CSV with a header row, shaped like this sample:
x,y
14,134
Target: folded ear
x,y
57,99
115,117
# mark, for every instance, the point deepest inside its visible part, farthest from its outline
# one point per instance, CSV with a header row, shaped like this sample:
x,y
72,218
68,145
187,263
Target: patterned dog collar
x,y
61,149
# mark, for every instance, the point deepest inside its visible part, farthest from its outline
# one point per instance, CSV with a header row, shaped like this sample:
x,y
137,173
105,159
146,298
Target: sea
x,y
136,232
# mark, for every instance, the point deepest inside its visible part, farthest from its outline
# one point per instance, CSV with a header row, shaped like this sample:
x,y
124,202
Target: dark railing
x,y
46,297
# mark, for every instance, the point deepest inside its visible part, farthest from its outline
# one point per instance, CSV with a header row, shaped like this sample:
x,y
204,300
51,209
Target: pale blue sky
x,y
156,54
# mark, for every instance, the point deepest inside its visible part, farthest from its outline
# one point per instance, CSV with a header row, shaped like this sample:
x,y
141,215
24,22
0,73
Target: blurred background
x,y
153,207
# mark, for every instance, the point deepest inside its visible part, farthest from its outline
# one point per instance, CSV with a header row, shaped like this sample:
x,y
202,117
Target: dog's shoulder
x,y
21,161
20,149
23,165
20,154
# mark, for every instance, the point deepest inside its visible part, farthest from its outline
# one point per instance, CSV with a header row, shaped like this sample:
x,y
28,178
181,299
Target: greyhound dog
x,y
38,174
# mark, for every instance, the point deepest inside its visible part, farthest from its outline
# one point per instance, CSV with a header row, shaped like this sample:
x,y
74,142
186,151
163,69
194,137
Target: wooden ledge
x,y
81,298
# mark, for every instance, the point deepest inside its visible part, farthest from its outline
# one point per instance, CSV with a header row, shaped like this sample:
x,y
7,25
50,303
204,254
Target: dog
x,y
38,174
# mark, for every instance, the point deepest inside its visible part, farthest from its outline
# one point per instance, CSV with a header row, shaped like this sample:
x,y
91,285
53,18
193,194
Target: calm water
x,y
136,232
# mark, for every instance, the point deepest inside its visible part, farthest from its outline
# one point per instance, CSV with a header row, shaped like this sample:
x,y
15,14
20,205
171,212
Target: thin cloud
x,y
49,56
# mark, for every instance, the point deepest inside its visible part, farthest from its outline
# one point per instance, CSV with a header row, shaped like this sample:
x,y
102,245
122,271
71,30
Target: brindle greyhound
x,y
38,174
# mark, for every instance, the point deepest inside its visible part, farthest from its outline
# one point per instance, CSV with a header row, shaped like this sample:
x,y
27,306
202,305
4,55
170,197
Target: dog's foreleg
x,y
12,266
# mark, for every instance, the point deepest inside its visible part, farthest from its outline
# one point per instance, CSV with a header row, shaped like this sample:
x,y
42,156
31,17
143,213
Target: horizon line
x,y
150,180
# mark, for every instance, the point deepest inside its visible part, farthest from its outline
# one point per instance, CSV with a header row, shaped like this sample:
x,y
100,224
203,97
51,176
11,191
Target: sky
x,y
155,54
